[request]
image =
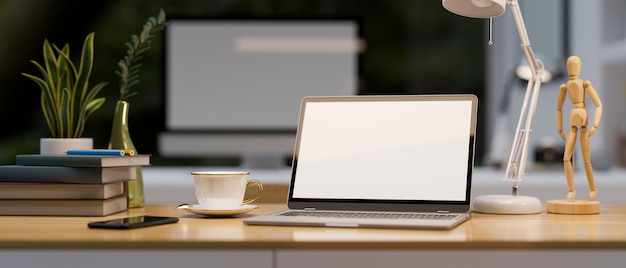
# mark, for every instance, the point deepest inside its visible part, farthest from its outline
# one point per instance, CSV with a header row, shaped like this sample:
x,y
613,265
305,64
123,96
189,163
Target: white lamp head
x,y
523,72
548,69
475,8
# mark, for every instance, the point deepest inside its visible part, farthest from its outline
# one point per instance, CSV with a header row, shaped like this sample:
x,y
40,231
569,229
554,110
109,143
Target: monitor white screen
x,y
251,75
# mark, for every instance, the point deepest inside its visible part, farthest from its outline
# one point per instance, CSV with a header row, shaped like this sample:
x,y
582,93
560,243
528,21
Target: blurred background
x,y
412,47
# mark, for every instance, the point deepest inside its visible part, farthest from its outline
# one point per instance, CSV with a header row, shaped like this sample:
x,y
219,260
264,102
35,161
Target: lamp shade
x,y
475,8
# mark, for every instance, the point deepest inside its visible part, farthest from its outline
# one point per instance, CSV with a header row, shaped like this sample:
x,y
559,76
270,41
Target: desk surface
x,y
604,231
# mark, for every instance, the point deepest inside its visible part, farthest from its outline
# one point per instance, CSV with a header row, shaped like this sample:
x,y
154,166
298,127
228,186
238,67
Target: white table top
x,y
175,184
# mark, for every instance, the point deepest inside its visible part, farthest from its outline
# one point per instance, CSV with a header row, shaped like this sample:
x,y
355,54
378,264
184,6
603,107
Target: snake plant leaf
x,y
64,75
86,65
91,107
39,81
65,50
65,62
65,118
50,62
48,115
92,94
88,106
45,89
67,66
43,71
46,100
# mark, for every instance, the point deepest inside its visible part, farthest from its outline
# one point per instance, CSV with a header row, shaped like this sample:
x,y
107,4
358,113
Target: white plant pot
x,y
60,145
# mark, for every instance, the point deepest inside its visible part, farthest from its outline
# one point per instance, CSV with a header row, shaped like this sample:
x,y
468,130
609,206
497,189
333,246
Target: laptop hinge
x,y
443,211
309,209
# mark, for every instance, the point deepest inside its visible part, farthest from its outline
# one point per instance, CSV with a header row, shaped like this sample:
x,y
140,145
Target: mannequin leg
x,y
584,147
567,162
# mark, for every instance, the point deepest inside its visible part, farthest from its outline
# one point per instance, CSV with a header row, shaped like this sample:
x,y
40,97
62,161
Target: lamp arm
x,y
519,151
523,35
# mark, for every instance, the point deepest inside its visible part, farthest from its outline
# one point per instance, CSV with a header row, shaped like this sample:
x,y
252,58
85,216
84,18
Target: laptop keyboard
x,y
368,215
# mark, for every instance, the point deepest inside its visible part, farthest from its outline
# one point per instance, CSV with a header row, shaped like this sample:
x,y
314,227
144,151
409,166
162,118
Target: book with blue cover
x,y
60,174
82,160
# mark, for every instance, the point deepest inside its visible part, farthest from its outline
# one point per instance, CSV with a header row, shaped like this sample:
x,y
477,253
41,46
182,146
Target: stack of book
x,y
67,185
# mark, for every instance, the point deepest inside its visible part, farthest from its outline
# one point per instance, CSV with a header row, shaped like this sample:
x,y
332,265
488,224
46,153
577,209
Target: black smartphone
x,y
133,222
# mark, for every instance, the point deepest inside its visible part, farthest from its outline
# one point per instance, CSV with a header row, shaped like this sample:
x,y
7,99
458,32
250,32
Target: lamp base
x,y
506,204
573,207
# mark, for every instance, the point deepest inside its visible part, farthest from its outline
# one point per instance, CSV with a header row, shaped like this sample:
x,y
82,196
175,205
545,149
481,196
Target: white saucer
x,y
217,212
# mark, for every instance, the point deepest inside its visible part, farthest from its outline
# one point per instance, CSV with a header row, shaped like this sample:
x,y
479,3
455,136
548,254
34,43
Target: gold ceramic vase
x,y
120,139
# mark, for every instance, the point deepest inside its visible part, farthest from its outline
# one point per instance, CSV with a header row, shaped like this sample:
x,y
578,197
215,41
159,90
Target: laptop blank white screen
x,y
384,150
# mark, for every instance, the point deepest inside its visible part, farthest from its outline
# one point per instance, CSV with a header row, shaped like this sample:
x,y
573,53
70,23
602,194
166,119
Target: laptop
x,y
392,161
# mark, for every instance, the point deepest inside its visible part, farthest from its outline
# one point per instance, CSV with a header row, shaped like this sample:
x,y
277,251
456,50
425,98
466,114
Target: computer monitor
x,y
233,87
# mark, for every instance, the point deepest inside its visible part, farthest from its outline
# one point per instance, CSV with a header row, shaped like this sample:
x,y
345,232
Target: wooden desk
x,y
534,238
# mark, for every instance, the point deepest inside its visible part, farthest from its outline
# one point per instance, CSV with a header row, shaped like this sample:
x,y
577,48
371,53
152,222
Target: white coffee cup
x,y
223,190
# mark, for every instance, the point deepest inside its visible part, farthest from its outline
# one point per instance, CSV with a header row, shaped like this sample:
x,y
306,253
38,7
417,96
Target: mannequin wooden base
x,y
573,207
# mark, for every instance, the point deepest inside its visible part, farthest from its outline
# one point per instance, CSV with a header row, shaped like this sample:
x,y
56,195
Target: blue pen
x,y
100,152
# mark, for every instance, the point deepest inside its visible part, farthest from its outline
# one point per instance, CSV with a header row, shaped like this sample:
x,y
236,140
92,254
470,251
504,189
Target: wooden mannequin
x,y
576,88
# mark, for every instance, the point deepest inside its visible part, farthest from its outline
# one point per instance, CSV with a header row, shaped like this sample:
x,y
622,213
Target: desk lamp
x,y
514,203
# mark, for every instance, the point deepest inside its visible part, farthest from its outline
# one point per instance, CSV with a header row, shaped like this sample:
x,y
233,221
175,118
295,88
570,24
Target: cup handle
x,y
257,194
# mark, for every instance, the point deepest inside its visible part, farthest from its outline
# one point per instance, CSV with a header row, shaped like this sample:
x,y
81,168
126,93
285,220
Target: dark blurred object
x,y
549,152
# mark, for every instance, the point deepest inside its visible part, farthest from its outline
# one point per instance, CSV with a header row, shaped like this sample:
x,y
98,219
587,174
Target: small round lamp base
x,y
573,207
506,204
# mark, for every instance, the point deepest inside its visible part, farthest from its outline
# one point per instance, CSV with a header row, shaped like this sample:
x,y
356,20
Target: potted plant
x,y
129,76
67,101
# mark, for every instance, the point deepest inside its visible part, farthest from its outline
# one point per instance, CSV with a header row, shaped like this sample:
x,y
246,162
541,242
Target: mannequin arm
x,y
593,95
559,110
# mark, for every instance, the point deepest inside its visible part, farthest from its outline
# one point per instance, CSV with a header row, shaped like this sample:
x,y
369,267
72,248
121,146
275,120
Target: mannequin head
x,y
573,66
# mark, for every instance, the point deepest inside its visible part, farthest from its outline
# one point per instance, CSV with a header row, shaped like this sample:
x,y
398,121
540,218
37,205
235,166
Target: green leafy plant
x,y
130,64
66,99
